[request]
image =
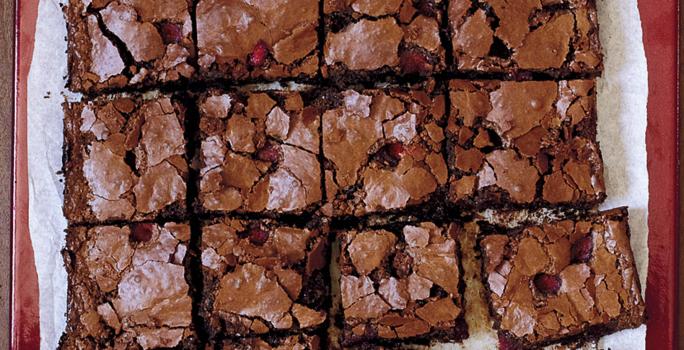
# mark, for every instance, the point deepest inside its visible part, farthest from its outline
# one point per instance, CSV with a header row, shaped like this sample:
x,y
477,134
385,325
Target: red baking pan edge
x,y
660,25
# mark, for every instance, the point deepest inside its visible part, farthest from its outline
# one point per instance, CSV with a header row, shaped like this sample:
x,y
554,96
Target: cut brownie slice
x,y
562,281
133,43
403,285
371,38
556,37
257,40
293,342
264,278
524,144
259,153
124,159
128,288
383,149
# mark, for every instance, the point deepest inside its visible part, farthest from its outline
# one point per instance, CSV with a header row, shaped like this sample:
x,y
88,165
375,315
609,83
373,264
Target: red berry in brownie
x,y
142,232
582,249
547,284
507,344
258,56
412,62
269,153
391,153
171,33
258,236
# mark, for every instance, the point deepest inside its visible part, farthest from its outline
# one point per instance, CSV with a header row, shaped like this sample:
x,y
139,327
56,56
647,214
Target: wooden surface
x,y
6,159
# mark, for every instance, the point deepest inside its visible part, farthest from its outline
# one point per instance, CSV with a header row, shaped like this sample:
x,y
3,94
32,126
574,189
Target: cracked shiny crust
x,y
405,38
522,144
259,153
597,295
277,283
229,30
125,293
550,36
116,44
357,134
124,160
401,286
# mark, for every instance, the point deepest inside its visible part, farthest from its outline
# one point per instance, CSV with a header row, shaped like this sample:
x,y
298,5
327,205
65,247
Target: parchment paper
x,y
622,101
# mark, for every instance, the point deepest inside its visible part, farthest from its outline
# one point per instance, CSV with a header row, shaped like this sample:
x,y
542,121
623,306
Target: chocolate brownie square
x,y
259,153
292,342
554,37
401,284
524,144
263,278
128,287
562,281
124,160
258,40
383,149
115,44
365,39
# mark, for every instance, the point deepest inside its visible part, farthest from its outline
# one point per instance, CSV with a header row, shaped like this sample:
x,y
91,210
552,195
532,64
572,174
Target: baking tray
x,y
660,30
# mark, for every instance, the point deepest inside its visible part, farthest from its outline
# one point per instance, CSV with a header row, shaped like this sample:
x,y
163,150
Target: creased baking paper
x,y
622,100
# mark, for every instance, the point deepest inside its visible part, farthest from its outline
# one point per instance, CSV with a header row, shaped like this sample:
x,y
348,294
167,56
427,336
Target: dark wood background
x,y
7,31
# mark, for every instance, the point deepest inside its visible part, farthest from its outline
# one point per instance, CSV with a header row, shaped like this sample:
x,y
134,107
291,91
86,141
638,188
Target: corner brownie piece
x,y
293,342
401,285
259,153
133,43
128,288
555,37
563,281
524,144
383,149
124,159
263,278
257,40
382,37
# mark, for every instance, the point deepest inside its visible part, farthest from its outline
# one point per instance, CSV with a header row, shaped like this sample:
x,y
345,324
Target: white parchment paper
x,y
622,101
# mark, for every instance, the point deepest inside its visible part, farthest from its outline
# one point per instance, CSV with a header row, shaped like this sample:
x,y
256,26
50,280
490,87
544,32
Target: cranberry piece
x,y
142,232
391,153
171,33
582,249
269,153
547,284
258,236
426,8
412,62
507,344
258,56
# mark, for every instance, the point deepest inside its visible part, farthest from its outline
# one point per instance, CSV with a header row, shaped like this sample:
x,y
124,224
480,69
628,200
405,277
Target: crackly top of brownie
x,y
133,158
293,342
264,275
129,282
556,280
404,35
259,152
400,286
258,35
512,135
142,39
389,144
537,35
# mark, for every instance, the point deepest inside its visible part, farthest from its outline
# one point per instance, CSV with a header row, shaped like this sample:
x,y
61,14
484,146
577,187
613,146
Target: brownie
x,y
257,40
263,278
562,281
133,43
124,160
293,342
259,153
128,288
401,284
383,149
554,37
524,144
365,39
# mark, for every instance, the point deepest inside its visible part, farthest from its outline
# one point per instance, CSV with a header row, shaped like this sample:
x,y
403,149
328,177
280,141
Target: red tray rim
x,y
661,29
